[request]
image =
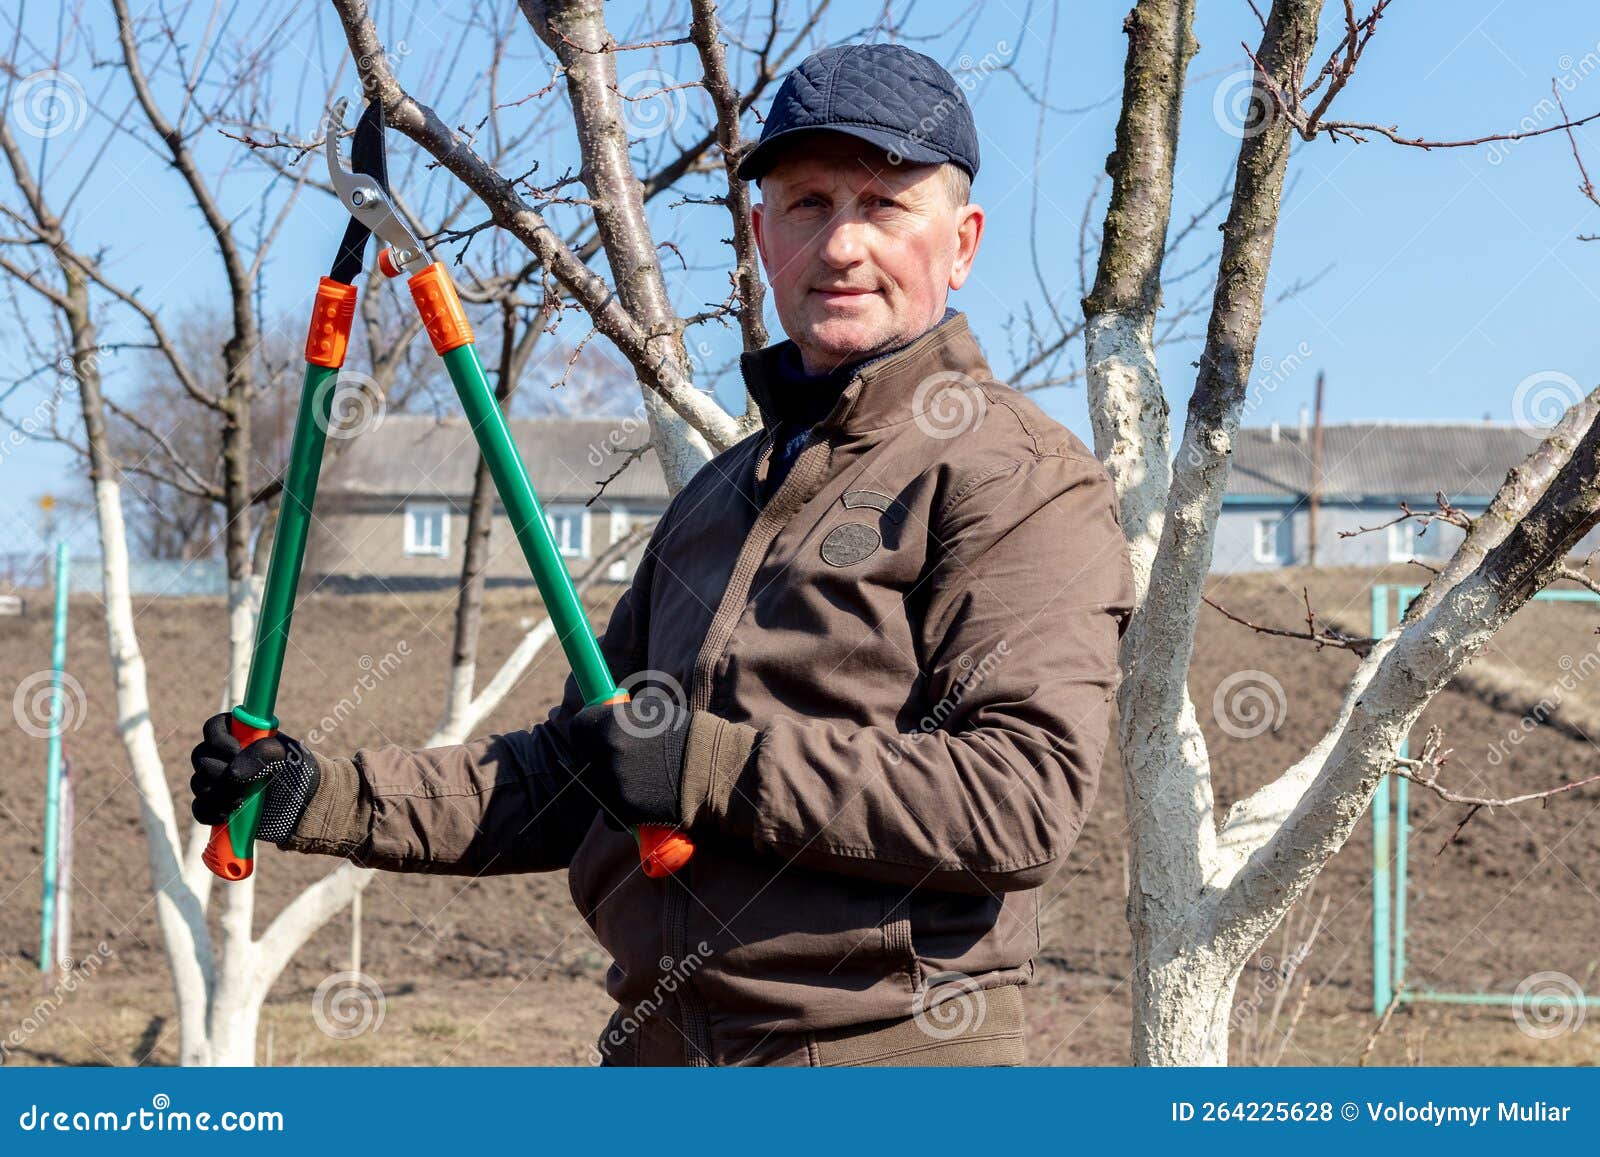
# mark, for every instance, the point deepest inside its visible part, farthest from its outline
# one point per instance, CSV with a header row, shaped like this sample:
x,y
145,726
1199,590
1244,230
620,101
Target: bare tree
x,y
160,432
219,988
1206,892
634,309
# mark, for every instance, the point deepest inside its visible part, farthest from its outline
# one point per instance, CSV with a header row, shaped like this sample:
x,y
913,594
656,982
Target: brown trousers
x,y
977,1028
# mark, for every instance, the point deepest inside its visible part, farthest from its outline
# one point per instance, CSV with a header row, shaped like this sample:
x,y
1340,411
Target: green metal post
x,y
52,772
1382,980
1402,834
528,521
1389,892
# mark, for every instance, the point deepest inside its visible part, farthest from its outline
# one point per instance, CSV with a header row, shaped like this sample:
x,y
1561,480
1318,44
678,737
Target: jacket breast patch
x,y
850,543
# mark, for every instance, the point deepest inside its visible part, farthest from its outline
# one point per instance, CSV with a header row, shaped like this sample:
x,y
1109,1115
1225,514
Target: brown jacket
x,y
901,666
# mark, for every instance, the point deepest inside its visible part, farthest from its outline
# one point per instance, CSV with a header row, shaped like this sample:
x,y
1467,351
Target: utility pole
x,y
1316,472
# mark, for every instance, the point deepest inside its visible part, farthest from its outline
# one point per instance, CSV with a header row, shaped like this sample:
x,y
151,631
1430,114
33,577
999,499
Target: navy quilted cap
x,y
898,99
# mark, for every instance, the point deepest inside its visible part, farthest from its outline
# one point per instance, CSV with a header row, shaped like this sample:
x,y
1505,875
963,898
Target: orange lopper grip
x,y
440,308
221,856
663,850
332,314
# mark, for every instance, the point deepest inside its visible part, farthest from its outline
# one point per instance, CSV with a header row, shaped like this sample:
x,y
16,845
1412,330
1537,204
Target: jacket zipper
x,y
735,597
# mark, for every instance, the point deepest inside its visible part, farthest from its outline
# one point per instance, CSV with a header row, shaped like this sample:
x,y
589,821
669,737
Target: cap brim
x,y
756,163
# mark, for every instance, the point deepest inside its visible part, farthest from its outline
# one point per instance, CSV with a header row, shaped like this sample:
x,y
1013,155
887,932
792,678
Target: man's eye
x,y
808,203
887,203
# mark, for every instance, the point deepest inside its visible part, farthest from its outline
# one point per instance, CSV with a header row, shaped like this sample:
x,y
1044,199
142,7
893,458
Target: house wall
x,y
1234,548
1236,534
360,543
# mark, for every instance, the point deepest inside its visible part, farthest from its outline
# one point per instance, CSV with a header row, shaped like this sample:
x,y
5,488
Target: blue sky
x,y
1431,282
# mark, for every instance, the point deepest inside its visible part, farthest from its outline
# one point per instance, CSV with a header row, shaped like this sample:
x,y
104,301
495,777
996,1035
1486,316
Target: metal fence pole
x,y
52,774
1382,978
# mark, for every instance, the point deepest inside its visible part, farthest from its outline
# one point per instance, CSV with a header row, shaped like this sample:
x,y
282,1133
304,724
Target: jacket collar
x,y
883,391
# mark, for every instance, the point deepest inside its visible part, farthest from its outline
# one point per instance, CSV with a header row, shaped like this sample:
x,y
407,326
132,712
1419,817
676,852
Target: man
x,y
893,615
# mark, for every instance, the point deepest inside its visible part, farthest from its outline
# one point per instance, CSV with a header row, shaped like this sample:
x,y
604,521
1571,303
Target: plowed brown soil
x,y
501,971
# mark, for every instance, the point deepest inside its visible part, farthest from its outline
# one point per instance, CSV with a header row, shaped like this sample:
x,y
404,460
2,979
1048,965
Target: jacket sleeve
x,y
1025,607
499,804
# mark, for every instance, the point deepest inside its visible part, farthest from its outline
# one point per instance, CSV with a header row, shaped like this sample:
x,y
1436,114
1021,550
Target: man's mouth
x,y
840,293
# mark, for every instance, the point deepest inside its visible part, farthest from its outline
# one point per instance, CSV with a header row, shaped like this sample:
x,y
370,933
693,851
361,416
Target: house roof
x,y
567,459
1387,459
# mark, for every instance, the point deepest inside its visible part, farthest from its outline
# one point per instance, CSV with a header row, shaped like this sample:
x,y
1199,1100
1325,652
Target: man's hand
x,y
224,775
630,756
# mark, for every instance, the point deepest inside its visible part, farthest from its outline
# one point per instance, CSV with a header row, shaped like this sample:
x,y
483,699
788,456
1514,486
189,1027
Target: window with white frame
x,y
569,526
620,525
427,530
1404,543
1274,540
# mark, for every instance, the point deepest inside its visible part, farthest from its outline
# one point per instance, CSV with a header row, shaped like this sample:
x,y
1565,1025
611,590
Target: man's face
x,y
860,254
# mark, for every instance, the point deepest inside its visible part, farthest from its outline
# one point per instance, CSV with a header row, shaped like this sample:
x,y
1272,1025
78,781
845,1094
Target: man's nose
x,y
840,244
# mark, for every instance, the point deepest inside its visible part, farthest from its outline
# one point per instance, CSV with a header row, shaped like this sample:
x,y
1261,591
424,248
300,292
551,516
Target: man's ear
x,y
755,225
969,233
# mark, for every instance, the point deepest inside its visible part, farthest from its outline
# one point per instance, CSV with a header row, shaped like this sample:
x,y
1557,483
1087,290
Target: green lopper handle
x,y
230,852
662,850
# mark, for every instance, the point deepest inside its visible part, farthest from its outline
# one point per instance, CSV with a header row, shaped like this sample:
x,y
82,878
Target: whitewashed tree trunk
x,y
468,711
235,1008
179,913
471,710
217,991
1204,897
679,447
